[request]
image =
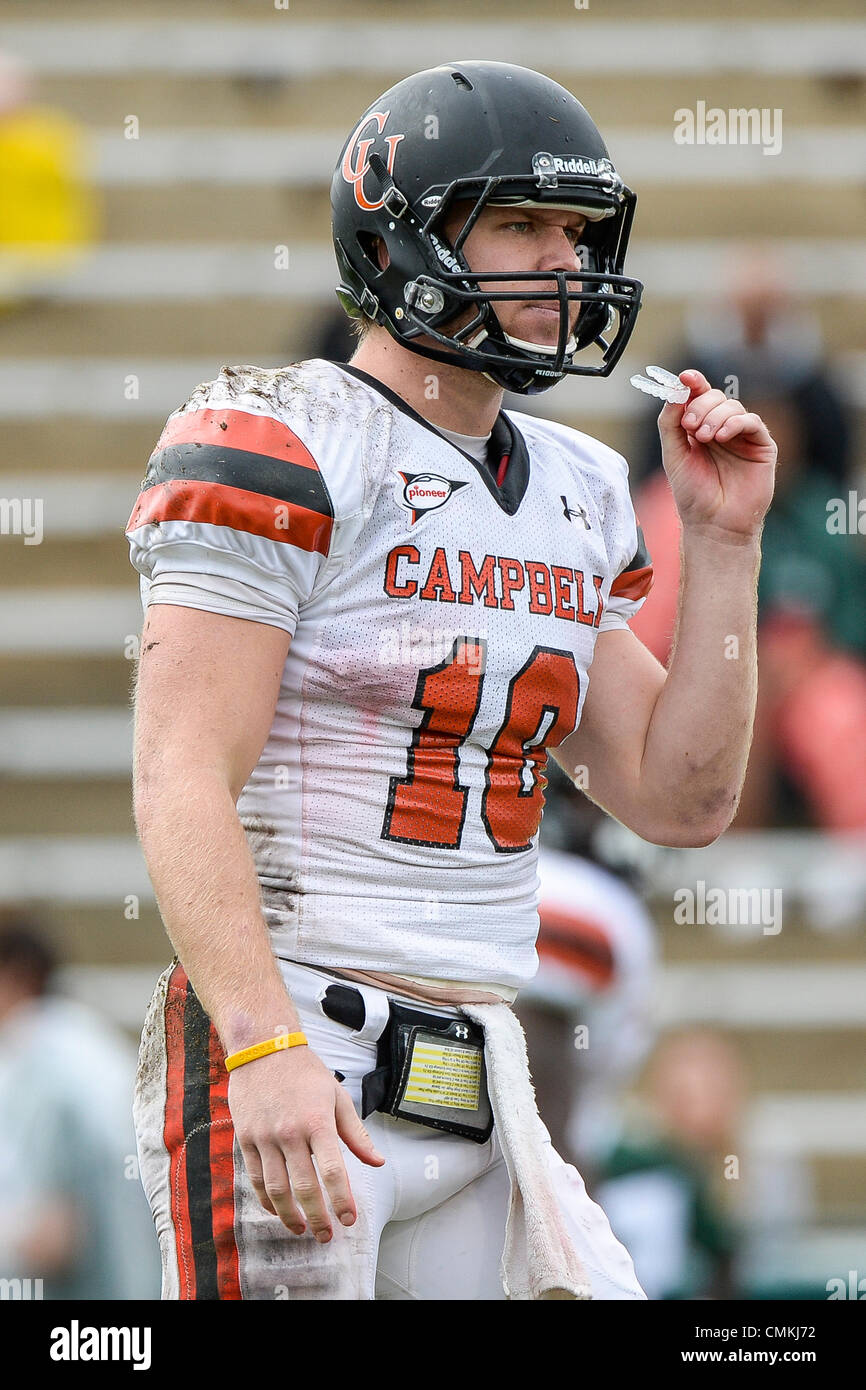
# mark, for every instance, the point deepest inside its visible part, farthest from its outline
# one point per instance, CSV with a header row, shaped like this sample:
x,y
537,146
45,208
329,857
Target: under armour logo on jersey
x,y
460,1030
572,513
424,492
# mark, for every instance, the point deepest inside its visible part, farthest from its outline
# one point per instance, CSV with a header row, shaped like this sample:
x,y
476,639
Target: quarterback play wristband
x,y
278,1044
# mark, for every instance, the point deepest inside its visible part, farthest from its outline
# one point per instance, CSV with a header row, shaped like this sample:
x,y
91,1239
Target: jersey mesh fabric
x,y
438,641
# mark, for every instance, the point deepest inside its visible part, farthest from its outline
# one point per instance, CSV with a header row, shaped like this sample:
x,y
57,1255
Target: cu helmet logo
x,y
356,160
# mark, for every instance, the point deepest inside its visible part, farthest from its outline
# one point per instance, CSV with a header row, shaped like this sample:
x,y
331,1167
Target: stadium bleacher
x,y
240,112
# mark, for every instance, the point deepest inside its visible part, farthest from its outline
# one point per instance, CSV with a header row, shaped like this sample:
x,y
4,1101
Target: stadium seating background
x,y
241,108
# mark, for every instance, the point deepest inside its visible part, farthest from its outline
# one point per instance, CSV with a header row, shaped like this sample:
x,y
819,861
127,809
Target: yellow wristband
x,y
278,1044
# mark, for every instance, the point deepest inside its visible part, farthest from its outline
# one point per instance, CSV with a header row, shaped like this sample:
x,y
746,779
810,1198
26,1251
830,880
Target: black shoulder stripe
x,y
211,463
641,558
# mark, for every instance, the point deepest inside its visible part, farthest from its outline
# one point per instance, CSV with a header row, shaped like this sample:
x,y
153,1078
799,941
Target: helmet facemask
x,y
439,309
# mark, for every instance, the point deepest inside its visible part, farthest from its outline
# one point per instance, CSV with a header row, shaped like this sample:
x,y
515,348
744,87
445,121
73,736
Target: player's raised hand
x,y
289,1109
720,460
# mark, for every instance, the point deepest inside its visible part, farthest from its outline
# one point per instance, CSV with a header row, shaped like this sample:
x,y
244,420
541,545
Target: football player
x,y
374,602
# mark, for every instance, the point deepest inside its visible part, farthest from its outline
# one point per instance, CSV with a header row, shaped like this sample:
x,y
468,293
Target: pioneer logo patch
x,y
424,492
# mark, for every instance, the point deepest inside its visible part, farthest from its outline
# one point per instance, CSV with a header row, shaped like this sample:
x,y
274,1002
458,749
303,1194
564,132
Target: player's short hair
x,y
360,327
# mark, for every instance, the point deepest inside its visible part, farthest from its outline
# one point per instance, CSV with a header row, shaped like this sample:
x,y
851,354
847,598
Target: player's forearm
x,y
205,882
699,735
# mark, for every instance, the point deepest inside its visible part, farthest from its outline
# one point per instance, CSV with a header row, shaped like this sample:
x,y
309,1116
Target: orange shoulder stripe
x,y
237,429
214,504
632,584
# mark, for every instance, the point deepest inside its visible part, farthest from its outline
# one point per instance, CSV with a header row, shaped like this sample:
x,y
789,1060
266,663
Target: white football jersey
x,y
443,625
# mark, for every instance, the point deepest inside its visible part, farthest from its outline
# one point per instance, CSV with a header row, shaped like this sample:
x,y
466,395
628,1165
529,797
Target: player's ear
x,y
382,254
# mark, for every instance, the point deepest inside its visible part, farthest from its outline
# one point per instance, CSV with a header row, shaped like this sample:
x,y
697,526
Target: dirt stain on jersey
x,y
323,395
261,838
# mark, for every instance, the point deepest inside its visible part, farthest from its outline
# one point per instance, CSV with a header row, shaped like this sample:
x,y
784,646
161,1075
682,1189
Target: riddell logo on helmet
x,y
356,159
424,492
448,260
582,165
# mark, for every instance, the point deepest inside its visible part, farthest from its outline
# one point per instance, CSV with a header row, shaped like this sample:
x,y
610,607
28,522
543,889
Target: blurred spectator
x,y
47,211
660,1184
759,330
72,1213
586,1013
812,634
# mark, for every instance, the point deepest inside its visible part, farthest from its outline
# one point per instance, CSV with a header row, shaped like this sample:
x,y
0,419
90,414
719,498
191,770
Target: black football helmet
x,y
488,133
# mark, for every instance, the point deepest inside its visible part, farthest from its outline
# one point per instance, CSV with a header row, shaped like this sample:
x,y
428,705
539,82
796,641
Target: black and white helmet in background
x,y
483,133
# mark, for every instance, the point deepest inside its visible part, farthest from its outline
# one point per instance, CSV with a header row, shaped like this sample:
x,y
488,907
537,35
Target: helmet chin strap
x,y
544,348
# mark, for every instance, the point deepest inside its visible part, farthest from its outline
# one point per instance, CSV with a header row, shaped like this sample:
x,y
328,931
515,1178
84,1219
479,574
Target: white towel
x,y
539,1259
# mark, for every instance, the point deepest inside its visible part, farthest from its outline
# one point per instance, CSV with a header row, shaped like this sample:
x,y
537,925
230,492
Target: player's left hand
x,y
720,460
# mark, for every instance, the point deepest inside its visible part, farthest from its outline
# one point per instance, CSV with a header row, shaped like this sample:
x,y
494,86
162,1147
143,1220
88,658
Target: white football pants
x,y
431,1222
